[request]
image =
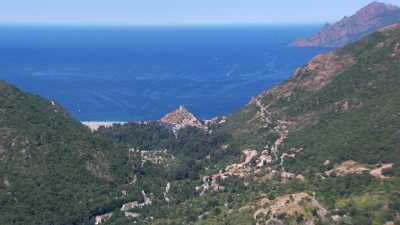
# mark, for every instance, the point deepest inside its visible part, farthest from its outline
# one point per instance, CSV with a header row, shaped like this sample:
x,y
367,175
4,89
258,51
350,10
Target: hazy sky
x,y
172,12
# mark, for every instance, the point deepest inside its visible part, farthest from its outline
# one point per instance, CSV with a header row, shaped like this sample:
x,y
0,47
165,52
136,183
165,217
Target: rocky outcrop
x,y
350,29
351,167
102,218
291,206
135,204
318,73
132,215
311,77
157,157
254,163
181,118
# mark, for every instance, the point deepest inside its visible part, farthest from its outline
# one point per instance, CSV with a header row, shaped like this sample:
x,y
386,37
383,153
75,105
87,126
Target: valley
x,y
320,148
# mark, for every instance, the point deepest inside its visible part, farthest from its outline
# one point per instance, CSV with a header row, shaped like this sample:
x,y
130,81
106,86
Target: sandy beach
x,y
95,125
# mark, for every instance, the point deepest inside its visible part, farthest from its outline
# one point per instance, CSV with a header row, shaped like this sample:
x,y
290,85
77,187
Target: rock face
x,y
291,206
312,77
350,167
133,205
350,29
102,218
181,118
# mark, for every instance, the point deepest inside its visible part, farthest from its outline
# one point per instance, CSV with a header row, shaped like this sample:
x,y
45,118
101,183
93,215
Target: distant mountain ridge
x,y
350,29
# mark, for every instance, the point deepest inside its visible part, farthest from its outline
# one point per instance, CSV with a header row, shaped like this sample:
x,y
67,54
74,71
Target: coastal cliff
x,y
350,29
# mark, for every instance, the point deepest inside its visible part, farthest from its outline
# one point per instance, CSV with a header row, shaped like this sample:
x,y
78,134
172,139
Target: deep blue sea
x,y
141,73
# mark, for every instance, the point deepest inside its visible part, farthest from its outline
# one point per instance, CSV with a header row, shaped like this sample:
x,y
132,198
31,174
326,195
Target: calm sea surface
x,y
141,73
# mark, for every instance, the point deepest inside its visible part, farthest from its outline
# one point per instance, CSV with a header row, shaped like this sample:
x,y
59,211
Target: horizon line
x,y
158,25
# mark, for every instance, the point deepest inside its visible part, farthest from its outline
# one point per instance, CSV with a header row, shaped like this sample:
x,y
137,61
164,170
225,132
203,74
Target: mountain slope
x,y
363,121
336,123
52,169
350,29
321,148
344,81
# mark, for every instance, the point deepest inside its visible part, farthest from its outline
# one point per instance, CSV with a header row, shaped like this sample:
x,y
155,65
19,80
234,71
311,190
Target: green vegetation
x,y
248,130
55,171
52,170
149,136
368,131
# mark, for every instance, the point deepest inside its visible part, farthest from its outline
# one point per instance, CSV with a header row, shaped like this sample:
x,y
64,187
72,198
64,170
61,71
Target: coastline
x,y
95,125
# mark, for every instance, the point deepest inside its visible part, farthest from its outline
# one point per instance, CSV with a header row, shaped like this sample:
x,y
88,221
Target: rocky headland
x,y
350,29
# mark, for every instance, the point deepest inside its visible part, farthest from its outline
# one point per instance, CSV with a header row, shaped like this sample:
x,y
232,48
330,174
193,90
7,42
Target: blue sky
x,y
176,12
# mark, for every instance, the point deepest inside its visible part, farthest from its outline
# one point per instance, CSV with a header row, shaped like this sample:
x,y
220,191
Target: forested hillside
x,y
52,169
320,148
323,147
